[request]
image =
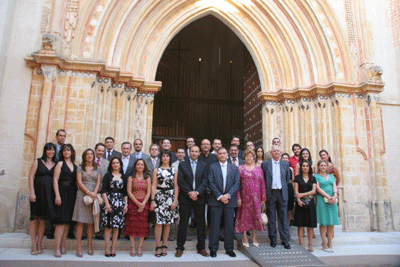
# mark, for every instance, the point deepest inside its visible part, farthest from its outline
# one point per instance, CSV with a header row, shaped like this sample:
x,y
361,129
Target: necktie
x,y
194,174
137,155
154,162
234,161
223,178
98,162
109,155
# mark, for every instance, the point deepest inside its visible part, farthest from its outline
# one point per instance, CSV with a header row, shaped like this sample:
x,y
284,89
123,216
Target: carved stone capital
x,y
49,72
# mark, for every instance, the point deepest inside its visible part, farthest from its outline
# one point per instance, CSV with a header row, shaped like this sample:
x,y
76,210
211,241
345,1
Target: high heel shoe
x,y
57,254
158,254
139,252
34,252
133,252
164,253
63,250
90,252
40,250
79,254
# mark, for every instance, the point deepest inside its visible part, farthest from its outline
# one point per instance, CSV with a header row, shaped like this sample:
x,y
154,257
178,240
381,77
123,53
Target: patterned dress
x,y
136,223
84,213
164,197
115,191
251,193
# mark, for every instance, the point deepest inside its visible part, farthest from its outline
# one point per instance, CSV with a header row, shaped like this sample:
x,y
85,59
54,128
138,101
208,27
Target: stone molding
x,y
318,90
99,67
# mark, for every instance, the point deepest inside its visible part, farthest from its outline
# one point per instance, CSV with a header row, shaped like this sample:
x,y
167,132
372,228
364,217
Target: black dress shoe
x,y
71,235
273,244
286,245
50,236
221,238
231,254
213,254
248,232
99,237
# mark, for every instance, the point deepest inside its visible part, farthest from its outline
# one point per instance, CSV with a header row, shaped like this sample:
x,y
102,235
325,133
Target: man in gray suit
x,y
277,177
224,182
138,146
127,159
153,161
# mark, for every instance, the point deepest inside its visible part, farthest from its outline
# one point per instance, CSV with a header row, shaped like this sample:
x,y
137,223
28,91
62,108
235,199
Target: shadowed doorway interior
x,y
209,87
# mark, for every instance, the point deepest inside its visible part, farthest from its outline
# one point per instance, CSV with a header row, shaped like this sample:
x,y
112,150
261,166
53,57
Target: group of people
x,y
111,191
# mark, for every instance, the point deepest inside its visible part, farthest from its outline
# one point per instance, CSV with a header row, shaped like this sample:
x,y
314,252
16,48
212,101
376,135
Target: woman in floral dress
x,y
164,200
250,197
115,199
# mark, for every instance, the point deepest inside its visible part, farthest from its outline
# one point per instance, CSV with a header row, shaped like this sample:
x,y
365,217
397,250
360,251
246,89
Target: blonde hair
x,y
249,151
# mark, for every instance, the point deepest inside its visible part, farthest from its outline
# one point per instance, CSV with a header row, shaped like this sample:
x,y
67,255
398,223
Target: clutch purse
x,y
327,200
88,200
264,217
306,201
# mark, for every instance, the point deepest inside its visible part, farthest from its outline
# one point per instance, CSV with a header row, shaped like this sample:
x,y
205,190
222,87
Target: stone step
x,y
21,240
12,257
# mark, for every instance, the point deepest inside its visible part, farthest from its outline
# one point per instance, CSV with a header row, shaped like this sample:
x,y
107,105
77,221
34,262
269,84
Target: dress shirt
x,y
139,155
154,161
193,163
224,168
98,162
276,175
293,162
58,147
125,163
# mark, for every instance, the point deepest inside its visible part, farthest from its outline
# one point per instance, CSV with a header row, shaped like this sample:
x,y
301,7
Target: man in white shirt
x,y
127,159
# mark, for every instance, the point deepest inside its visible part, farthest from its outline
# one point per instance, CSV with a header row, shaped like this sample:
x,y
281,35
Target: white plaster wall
x,y
388,57
20,21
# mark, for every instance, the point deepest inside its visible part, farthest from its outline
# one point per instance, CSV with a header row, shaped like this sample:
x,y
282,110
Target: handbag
x,y
327,201
264,217
306,201
88,200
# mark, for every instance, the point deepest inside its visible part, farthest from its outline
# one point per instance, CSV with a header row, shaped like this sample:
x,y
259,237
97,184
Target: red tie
x,y
98,162
234,162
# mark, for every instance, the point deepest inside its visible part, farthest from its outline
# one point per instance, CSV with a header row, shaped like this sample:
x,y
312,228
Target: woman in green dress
x,y
327,211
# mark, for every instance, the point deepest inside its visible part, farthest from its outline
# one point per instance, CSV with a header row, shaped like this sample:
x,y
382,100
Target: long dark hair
x,y
301,160
310,171
329,157
46,147
262,149
168,153
110,169
145,176
83,164
65,146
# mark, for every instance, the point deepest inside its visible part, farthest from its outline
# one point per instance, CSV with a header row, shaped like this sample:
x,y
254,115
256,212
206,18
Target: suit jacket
x,y
240,154
132,160
144,155
215,182
241,161
266,166
113,154
150,166
185,182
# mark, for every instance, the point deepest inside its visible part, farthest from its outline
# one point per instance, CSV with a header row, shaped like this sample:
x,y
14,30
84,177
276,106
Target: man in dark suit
x,y
224,182
110,152
153,161
233,156
127,159
166,145
236,141
277,177
61,135
192,181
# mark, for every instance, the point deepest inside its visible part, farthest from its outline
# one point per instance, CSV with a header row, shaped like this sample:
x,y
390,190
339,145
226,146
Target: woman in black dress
x,y
65,195
115,199
41,196
305,214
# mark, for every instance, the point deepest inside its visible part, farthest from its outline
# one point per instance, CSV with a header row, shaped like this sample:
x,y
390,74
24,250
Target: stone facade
x,y
94,69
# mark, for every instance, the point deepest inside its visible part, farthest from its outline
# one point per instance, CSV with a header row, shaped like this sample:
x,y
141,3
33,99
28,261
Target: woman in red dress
x,y
136,224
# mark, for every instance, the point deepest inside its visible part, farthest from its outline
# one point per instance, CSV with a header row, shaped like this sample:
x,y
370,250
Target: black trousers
x,y
216,216
185,210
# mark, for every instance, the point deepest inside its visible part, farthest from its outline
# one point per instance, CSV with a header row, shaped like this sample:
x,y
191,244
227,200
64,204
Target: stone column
x,y
50,74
